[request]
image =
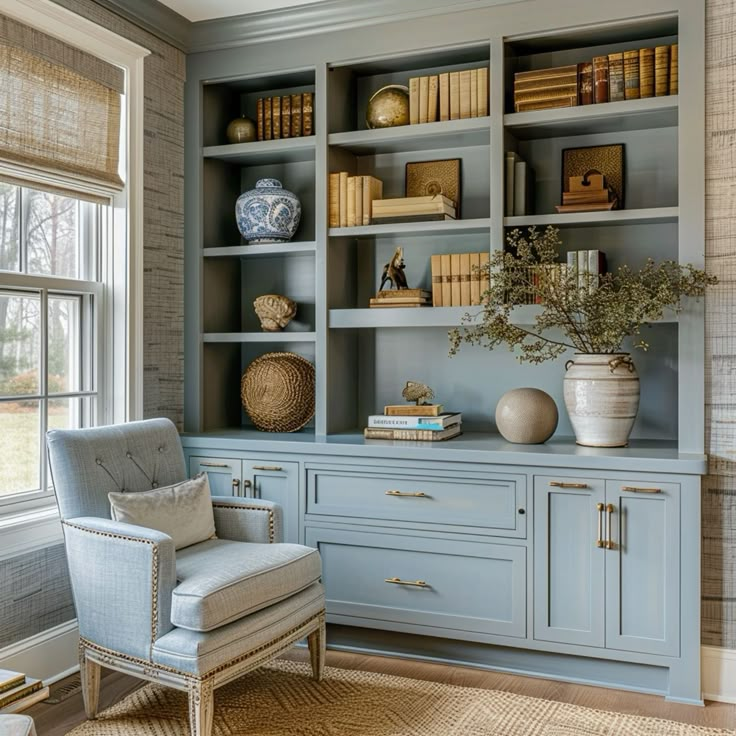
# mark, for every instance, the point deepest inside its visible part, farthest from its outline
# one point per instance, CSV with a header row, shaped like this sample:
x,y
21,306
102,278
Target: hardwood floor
x,y
57,720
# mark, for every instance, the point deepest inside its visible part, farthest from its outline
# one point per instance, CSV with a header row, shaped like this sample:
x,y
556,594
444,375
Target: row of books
x,y
290,116
448,96
587,266
413,209
459,279
426,423
622,75
351,199
18,692
519,186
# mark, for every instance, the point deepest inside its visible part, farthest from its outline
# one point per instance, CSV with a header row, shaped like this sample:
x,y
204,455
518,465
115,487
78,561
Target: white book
x,y
511,158
406,422
582,269
523,188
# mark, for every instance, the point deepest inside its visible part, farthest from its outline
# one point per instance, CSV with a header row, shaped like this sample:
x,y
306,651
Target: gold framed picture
x,y
608,160
428,178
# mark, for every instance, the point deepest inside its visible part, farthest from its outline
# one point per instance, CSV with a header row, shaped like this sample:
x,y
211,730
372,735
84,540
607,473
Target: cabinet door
x,y
224,474
277,482
569,560
643,567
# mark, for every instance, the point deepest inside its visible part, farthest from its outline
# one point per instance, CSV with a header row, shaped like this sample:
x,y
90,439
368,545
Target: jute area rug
x,y
282,700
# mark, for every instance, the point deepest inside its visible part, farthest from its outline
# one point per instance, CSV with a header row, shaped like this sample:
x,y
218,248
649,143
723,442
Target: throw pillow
x,y
183,511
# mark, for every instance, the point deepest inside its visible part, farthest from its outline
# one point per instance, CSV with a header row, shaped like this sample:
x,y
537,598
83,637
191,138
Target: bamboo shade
x,y
60,111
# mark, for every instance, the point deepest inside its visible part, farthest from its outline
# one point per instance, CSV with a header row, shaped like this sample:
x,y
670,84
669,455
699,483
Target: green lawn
x,y
19,448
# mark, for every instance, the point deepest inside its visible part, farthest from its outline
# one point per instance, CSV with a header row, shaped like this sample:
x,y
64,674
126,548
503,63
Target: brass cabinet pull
x,y
414,583
639,489
236,482
275,468
214,465
609,513
406,494
560,484
599,541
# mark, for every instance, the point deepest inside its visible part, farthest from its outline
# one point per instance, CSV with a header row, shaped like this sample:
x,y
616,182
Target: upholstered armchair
x,y
194,618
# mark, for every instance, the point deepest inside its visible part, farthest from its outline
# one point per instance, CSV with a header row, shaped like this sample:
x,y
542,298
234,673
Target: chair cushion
x,y
183,511
220,580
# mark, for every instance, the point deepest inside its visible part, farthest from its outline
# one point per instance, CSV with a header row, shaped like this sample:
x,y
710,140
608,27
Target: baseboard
x,y
50,655
719,674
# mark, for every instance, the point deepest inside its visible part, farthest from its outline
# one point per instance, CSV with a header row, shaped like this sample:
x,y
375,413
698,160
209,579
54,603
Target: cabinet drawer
x,y
464,499
468,586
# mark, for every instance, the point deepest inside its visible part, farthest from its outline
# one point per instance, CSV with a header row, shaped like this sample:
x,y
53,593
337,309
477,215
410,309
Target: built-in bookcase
x,y
364,356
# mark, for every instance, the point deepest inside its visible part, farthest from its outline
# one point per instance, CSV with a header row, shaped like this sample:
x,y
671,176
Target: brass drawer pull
x,y
639,489
599,541
275,468
236,482
214,465
414,583
560,484
406,494
609,513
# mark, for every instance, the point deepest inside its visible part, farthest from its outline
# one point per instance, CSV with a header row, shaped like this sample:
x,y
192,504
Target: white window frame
x,y
121,321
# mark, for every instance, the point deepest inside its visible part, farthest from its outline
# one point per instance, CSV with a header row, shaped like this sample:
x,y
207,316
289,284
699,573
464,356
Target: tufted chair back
x,y
86,464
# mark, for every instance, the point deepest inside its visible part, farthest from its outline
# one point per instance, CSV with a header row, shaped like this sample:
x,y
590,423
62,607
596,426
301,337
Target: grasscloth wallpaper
x,y
719,488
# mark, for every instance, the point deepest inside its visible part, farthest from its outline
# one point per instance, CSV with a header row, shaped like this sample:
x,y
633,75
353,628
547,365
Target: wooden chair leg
x,y
90,676
317,642
201,707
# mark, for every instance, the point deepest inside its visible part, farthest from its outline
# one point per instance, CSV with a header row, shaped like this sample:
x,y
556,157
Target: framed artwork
x,y
428,178
608,160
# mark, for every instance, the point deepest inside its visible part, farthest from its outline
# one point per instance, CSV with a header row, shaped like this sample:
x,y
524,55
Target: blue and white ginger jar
x,y
268,214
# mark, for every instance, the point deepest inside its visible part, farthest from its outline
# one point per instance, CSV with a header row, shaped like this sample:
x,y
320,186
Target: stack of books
x,y
448,96
588,194
587,266
18,692
427,423
459,279
289,116
351,199
519,186
629,75
402,298
412,209
543,89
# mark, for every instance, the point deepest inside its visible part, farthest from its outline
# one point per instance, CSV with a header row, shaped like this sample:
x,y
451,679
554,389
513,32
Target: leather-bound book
x,y
296,116
631,74
359,184
600,78
433,100
483,91
485,281
343,197
444,96
351,201
307,114
276,117
473,93
423,99
334,202
455,280
446,279
267,121
585,83
465,94
673,69
286,116
616,77
413,100
436,262
454,95
646,72
661,71
474,279
465,279
259,119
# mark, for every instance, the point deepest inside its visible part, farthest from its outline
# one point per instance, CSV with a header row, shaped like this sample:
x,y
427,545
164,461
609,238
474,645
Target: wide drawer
x,y
457,586
462,499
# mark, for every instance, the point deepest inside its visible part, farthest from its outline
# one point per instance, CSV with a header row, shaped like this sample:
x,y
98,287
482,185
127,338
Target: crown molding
x,y
155,18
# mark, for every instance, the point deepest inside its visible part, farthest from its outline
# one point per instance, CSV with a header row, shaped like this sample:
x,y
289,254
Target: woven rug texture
x,y
283,700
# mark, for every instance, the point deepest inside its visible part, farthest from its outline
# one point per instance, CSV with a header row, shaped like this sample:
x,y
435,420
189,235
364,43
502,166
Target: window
x,y
51,301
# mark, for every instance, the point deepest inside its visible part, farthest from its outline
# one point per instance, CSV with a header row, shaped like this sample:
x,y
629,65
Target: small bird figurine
x,y
418,392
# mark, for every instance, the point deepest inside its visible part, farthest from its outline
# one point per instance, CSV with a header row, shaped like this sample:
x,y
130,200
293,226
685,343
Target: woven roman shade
x,y
59,108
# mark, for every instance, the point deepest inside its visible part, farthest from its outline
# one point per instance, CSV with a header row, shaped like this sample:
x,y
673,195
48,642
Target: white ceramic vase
x,y
602,398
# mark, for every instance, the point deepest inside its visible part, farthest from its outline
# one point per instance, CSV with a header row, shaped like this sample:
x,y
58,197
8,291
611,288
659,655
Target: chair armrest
x,y
122,579
248,519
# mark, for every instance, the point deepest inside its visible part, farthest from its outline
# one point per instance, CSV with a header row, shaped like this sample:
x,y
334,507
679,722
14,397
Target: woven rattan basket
x,y
277,391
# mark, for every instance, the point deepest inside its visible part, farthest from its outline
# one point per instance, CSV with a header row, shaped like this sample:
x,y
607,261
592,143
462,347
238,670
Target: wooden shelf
x,y
257,153
275,337
610,117
260,250
423,137
439,227
646,216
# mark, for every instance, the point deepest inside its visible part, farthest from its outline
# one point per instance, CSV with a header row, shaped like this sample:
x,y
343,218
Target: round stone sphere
x,y
241,130
526,416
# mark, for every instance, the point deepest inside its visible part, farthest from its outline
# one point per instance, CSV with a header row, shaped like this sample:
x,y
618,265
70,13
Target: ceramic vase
x,y
268,214
602,398
526,416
